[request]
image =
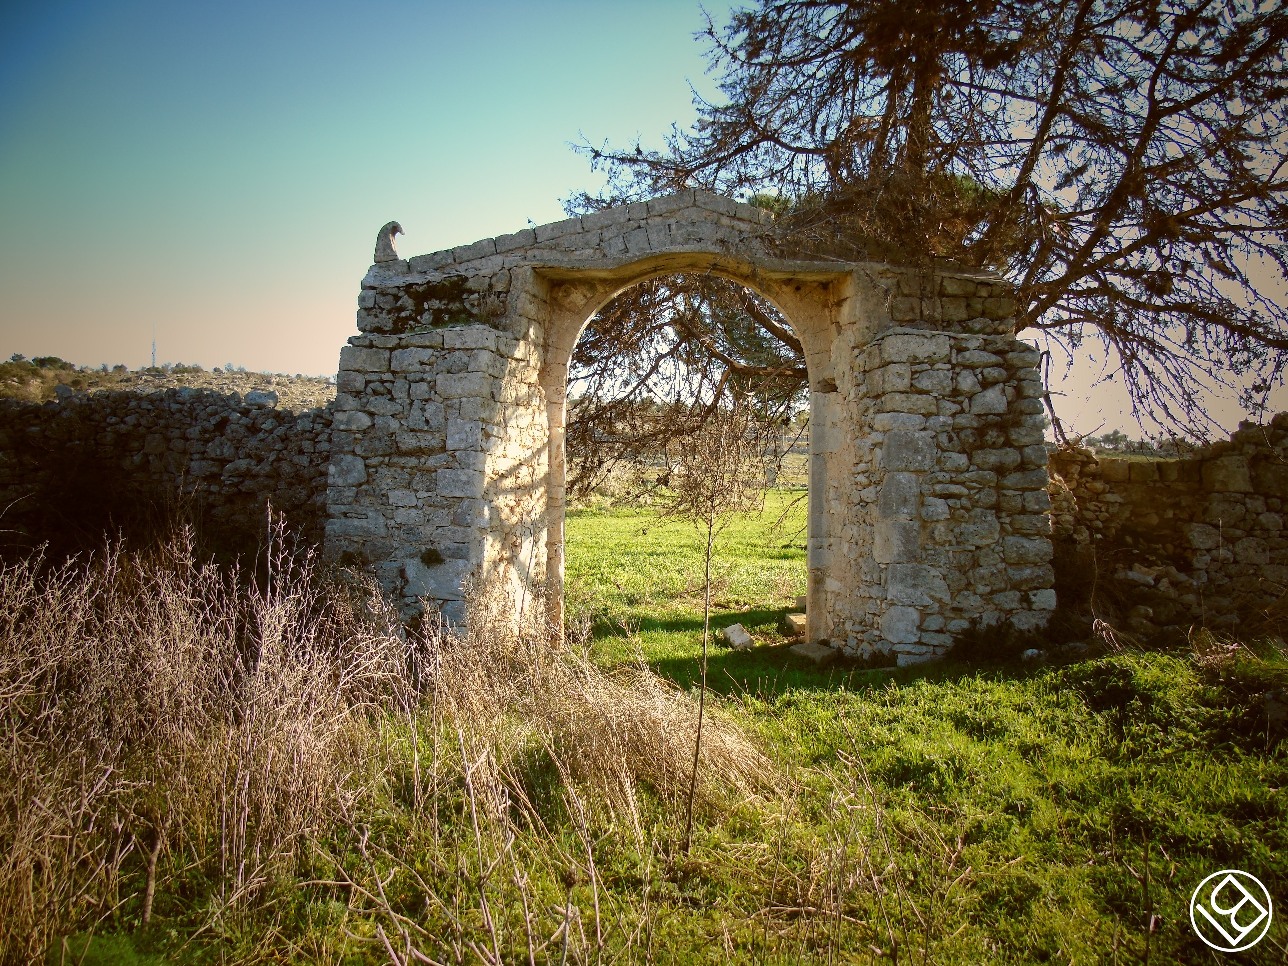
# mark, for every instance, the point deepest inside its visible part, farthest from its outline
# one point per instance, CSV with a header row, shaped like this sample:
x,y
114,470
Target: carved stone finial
x,y
385,250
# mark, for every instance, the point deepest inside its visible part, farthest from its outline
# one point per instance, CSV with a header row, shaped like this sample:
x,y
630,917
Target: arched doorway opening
x,y
674,305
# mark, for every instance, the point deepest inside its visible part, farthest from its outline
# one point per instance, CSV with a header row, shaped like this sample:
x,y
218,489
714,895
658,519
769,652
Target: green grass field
x,y
1008,815
526,804
635,582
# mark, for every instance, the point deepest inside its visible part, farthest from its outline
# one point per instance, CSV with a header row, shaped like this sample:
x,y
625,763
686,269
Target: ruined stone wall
x,y
928,504
88,458
1199,539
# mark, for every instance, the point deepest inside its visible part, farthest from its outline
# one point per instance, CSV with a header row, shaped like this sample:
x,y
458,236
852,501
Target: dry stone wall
x,y
1193,540
928,478
227,456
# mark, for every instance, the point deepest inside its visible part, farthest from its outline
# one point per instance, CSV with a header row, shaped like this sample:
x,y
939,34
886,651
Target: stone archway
x,y
928,509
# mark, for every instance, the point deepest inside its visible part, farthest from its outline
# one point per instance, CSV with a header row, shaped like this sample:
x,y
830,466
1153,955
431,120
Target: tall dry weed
x,y
157,714
177,740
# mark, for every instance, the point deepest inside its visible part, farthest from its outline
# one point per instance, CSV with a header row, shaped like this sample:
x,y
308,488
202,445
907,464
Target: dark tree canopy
x,y
1124,162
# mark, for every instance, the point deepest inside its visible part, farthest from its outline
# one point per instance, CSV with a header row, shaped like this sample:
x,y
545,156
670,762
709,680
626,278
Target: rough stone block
x,y
905,309
997,460
915,347
1030,577
1027,480
937,382
934,509
954,310
371,525
913,403
883,422
896,377
948,285
469,337
736,636
915,584
980,528
1229,474
899,497
457,385
999,308
989,402
909,450
358,359
1025,358
1043,599
350,422
558,229
977,359
464,434
441,581
464,483
413,360
1026,550
346,470
813,651
901,625
896,541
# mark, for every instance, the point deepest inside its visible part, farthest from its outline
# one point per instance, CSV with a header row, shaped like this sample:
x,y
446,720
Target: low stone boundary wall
x,y
90,459
1195,540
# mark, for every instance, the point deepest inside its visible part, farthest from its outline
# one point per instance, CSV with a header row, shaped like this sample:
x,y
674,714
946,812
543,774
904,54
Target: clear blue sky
x,y
219,170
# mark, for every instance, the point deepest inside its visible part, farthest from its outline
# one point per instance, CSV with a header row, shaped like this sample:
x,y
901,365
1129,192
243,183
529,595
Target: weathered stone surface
x,y
462,364
1229,474
260,397
907,450
901,625
981,528
915,347
896,542
351,421
346,470
1026,550
736,636
915,584
440,581
386,250
358,359
813,651
900,496
991,401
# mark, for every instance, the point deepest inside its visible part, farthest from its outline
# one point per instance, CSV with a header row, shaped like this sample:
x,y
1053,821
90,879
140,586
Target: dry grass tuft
x,y
608,733
176,738
153,710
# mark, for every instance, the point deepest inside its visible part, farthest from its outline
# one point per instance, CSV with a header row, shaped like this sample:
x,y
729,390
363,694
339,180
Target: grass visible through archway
x,y
637,580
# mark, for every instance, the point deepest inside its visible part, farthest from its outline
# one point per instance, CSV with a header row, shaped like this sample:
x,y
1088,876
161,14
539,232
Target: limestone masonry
x,y
1198,540
230,455
929,507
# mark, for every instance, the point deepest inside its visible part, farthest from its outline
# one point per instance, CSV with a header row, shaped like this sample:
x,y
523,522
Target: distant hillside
x,y
34,380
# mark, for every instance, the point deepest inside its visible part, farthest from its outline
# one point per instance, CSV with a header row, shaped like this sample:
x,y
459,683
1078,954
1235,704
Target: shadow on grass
x,y
607,627
771,668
